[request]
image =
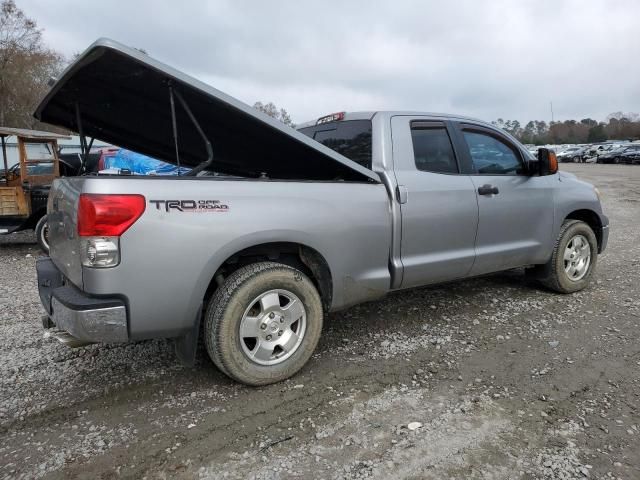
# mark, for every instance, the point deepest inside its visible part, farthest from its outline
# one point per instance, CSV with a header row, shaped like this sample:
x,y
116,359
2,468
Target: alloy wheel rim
x,y
577,258
272,327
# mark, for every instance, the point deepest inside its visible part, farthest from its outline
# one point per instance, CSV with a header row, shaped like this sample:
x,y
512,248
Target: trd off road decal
x,y
190,205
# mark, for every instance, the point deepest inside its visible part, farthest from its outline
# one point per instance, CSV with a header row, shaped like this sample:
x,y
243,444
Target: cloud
x,y
487,59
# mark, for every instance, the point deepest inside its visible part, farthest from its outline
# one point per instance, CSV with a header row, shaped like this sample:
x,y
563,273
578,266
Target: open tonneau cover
x,y
119,95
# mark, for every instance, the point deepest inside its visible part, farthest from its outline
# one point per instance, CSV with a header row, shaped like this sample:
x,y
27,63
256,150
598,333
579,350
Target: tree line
x,y
618,126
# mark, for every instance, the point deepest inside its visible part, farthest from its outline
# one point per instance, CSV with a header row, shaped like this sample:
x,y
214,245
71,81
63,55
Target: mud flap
x,y
187,345
49,278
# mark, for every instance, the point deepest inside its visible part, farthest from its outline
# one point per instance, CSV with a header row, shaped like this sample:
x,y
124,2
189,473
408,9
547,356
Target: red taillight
x,y
108,215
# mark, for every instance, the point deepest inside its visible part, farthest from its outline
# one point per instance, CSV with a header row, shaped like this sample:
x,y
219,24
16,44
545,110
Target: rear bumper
x,y
85,317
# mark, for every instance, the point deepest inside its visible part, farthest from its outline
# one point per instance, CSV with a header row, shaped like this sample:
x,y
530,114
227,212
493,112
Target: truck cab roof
x,y
368,115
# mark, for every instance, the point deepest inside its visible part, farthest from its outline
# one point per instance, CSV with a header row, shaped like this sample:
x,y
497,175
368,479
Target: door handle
x,y
488,190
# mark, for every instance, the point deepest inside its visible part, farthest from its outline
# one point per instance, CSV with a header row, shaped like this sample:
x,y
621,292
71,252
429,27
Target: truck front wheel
x,y
573,260
263,323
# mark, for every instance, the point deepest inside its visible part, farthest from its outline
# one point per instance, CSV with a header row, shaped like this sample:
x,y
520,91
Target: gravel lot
x,y
491,378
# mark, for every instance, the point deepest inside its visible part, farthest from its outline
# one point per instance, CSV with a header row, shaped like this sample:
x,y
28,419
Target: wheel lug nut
x,y
281,320
263,326
271,315
279,332
268,337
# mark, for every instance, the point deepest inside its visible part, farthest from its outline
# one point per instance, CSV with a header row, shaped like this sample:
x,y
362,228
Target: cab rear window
x,y
351,138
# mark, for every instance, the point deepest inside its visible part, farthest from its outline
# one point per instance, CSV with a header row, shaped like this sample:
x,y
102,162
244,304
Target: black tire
x,y
552,275
616,160
42,234
228,305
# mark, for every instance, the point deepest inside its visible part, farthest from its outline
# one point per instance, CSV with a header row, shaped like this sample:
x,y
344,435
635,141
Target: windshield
x,y
351,138
36,151
40,157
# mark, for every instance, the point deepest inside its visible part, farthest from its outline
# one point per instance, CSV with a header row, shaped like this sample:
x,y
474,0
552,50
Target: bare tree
x,y
629,116
275,112
26,65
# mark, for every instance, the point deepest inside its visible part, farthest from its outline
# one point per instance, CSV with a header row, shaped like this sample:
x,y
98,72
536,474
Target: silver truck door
x,y
516,209
438,204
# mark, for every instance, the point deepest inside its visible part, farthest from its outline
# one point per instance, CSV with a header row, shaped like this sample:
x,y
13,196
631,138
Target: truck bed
x,y
170,255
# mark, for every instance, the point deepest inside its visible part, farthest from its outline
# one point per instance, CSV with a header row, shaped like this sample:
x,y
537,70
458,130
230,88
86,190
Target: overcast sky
x,y
487,59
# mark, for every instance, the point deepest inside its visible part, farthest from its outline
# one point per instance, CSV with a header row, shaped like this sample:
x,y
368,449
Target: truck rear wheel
x,y
573,260
42,234
263,323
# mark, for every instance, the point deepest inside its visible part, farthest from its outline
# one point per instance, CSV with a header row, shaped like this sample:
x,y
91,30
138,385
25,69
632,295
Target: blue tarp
x,y
141,164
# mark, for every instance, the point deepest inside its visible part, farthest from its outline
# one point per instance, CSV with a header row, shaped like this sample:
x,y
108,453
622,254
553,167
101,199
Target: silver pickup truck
x,y
273,227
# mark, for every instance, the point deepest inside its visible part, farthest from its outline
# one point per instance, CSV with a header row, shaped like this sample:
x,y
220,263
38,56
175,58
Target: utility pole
x,y
551,103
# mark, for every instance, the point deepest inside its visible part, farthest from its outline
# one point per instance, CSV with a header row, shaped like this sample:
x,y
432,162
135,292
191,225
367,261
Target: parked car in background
x,y
625,153
599,149
630,154
575,154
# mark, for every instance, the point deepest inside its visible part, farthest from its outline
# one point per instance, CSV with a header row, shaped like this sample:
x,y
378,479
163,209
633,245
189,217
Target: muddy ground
x,y
498,378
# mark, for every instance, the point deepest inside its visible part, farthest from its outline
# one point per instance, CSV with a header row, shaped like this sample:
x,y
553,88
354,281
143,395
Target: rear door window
x,y
351,138
432,150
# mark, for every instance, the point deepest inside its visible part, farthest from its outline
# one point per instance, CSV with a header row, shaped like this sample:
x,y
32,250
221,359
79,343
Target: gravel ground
x,y
491,378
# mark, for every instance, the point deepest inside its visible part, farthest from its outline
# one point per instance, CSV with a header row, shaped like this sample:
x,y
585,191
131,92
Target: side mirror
x,y
547,162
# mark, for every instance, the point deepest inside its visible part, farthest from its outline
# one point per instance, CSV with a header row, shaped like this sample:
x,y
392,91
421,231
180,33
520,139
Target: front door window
x,y
492,156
